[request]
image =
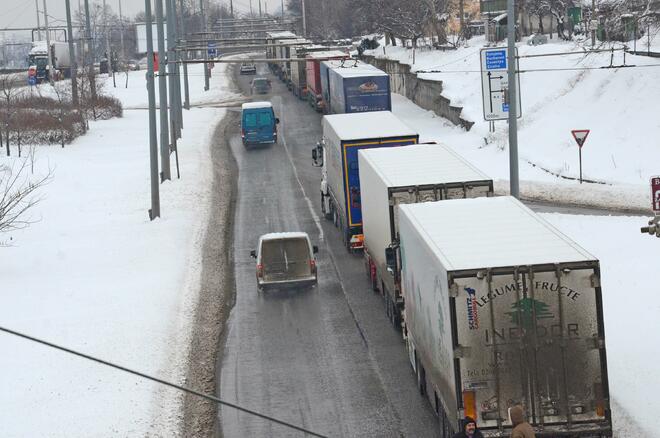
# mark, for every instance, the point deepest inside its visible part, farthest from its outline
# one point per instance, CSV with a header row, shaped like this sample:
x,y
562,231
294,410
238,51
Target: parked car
x,y
258,123
133,64
260,86
248,68
285,260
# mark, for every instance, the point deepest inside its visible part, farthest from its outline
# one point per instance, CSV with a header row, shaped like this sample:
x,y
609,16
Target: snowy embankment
x,y
620,106
94,274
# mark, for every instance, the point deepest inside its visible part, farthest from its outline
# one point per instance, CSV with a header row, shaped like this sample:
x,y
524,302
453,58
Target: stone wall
x,y
424,93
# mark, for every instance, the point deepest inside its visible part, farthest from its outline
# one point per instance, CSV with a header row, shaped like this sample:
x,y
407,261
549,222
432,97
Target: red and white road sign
x,y
580,136
655,193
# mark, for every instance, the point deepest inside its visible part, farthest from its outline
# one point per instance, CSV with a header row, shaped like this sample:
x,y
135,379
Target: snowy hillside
x,y
559,94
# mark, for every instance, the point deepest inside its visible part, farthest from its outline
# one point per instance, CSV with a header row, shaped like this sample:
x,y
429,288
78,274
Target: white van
x,y
285,260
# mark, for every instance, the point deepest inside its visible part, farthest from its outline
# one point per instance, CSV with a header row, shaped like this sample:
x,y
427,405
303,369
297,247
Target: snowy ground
x,y
620,106
96,275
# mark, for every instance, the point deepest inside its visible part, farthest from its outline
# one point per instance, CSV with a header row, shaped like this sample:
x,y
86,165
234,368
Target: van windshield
x,y
254,119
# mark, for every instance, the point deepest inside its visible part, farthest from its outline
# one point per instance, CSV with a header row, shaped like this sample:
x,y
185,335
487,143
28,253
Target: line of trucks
x,y
496,307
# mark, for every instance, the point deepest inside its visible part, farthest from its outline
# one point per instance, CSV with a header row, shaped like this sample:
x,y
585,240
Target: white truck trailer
x,y
394,176
502,309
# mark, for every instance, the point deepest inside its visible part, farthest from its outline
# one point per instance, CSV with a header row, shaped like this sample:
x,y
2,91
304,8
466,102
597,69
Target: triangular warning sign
x,y
580,136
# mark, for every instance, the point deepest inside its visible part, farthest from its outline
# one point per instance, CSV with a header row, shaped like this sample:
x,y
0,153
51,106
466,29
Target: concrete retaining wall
x,y
424,93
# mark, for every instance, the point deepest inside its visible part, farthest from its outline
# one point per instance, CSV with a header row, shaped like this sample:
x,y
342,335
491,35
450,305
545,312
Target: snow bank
x,y
96,275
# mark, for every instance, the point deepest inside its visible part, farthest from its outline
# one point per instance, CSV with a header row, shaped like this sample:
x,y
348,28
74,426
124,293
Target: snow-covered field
x,y
96,275
621,108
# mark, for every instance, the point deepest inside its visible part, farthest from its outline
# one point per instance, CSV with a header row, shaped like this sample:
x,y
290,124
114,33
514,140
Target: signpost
x,y
495,84
211,49
655,193
580,136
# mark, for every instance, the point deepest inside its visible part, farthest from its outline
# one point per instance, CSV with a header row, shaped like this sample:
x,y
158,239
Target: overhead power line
x,y
157,380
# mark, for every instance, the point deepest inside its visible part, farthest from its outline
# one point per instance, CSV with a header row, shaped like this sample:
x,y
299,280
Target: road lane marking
x,y
316,218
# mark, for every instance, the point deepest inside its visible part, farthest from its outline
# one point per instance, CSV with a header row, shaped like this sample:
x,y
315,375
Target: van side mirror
x,y
315,249
253,254
277,120
390,259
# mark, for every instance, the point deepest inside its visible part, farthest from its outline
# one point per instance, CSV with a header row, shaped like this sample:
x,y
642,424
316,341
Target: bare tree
x,y
18,194
9,92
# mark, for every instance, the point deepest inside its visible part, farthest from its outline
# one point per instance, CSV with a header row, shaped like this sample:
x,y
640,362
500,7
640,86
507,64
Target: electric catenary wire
x,y
161,381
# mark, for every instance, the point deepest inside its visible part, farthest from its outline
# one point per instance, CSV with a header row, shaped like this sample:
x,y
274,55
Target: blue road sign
x,y
32,80
496,60
211,49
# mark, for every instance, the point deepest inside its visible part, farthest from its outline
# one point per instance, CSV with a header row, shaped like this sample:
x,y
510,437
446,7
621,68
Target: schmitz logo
x,y
472,309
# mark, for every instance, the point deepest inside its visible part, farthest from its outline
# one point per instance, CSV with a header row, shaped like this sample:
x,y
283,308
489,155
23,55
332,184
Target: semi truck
x,y
324,68
337,153
313,75
38,60
394,176
356,87
502,309
274,42
297,82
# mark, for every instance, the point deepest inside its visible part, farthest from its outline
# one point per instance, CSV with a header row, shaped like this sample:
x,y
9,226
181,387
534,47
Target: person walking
x,y
470,429
521,428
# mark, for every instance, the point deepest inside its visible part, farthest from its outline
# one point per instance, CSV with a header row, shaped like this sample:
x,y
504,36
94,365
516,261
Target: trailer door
x,y
532,338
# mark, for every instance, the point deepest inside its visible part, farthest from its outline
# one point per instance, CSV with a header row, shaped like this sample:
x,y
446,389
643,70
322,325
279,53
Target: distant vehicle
x,y
343,136
258,123
248,68
357,87
285,260
133,64
313,76
511,315
38,58
260,86
536,39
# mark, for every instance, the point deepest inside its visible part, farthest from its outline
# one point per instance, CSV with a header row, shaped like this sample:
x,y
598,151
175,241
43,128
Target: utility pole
x,y
162,95
593,18
108,53
36,5
282,1
154,212
513,100
206,51
186,90
50,54
175,124
231,8
72,55
121,39
260,15
89,59
304,20
251,13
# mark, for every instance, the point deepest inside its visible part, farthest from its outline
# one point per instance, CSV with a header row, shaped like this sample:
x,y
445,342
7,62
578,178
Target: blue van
x,y
258,123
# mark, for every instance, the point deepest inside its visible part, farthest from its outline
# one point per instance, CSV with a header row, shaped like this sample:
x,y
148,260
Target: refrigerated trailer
x,y
503,309
356,87
343,136
394,176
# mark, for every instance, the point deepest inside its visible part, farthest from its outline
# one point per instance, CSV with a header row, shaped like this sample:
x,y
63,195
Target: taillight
x,y
312,266
470,404
243,133
260,270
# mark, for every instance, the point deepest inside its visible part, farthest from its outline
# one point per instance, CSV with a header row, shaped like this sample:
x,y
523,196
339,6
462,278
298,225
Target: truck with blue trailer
x,y
337,153
356,87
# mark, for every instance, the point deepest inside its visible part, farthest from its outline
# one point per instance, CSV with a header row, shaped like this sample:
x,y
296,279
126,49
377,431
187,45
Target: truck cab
x,y
258,123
